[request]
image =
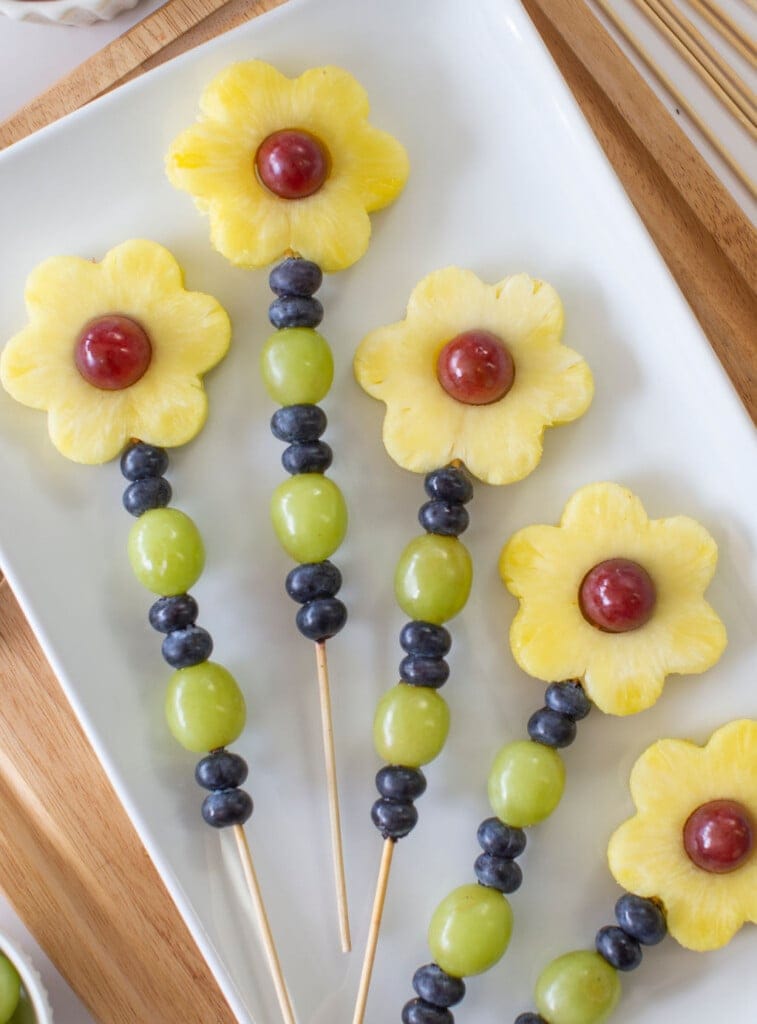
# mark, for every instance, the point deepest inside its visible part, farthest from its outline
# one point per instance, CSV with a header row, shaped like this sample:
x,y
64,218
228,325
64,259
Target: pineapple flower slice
x,y
216,161
425,426
622,672
187,334
647,855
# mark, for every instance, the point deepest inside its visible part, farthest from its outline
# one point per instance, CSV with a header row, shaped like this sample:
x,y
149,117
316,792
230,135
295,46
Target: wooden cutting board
x,y
89,894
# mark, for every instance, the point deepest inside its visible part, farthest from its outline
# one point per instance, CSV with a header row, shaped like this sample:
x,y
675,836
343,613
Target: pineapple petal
x,y
31,372
332,227
250,233
646,854
375,164
208,161
608,510
329,95
190,332
251,98
92,431
170,411
549,644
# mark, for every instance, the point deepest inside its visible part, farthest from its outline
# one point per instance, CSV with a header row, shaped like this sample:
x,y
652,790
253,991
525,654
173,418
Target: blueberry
x,y
447,518
170,613
498,872
307,457
227,807
437,987
393,819
425,638
295,276
184,647
551,728
298,423
313,579
400,784
418,1011
619,949
142,495
530,1018
143,460
500,839
295,311
569,698
221,770
449,484
321,619
641,918
420,671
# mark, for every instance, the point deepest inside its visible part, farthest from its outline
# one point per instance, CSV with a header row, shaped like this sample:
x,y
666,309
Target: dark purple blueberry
x,y
500,839
393,819
420,671
226,807
418,1011
313,579
143,460
400,784
321,619
309,457
437,987
449,484
569,698
298,423
447,518
551,728
620,950
641,918
295,311
184,647
221,770
425,638
295,276
498,872
170,613
530,1018
142,495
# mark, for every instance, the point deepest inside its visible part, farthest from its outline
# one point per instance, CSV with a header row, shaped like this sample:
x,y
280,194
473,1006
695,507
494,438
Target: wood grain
x,y
90,894
72,864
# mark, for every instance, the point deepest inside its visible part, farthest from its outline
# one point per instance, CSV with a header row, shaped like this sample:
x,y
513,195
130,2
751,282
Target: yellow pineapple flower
x,y
693,842
651,575
115,350
474,372
281,164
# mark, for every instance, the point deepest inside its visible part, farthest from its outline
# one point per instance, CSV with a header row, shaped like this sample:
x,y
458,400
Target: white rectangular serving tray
x,y
505,177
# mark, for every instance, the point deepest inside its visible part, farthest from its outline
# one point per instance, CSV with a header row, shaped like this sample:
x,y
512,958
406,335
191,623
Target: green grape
x,y
577,988
10,989
297,366
309,516
205,708
166,551
526,783
433,578
411,725
470,930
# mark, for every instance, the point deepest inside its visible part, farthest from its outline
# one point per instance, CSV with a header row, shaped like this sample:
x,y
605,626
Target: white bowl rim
x,y
27,972
56,10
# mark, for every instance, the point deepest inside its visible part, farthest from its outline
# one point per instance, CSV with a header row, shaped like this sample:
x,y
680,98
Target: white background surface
x,y
32,57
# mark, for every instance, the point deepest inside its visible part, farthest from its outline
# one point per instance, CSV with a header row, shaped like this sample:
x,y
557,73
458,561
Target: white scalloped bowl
x,y
65,12
32,983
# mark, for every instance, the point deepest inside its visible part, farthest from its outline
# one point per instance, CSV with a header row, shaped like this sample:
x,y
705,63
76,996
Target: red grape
x,y
719,836
112,352
292,163
475,368
617,595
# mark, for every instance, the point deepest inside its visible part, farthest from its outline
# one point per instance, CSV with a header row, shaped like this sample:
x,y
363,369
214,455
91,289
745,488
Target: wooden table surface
x,y
90,894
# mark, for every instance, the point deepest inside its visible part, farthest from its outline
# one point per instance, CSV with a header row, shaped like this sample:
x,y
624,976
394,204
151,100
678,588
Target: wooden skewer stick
x,y
274,964
333,790
651,10
678,96
373,931
726,27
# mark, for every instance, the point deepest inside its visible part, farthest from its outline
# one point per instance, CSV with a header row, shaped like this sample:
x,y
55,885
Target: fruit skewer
x,y
470,379
292,168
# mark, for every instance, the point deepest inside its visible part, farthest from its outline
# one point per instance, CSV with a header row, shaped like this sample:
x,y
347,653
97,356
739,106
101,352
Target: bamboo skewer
x,y
680,100
373,931
333,791
657,14
274,964
726,27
